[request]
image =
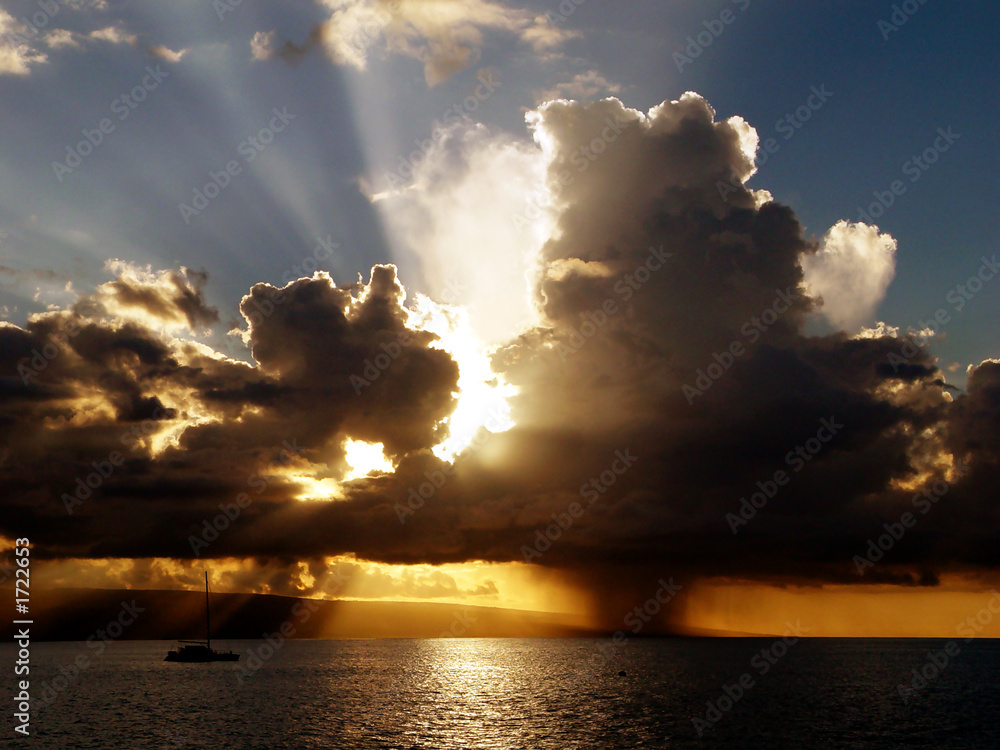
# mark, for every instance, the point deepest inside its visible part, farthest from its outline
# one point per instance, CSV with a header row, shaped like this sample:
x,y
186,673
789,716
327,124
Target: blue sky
x,y
890,95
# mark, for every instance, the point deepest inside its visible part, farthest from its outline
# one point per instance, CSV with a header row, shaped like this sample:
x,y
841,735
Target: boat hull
x,y
200,655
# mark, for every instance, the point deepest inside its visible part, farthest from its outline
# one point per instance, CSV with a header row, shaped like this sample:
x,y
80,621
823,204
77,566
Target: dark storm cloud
x,y
673,332
701,367
83,392
975,418
318,339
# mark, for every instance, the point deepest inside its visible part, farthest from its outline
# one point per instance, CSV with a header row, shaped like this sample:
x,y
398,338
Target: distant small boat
x,y
201,651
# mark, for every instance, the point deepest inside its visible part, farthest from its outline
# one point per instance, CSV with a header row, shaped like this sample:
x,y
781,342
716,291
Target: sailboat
x,y
201,651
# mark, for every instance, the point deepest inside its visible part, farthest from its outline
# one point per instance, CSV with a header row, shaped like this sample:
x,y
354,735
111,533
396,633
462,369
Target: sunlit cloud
x,y
445,35
159,299
114,35
851,272
61,38
475,211
16,54
587,85
365,458
166,54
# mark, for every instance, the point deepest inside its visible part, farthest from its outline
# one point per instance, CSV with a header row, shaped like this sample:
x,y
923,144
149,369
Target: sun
x,y
364,458
482,394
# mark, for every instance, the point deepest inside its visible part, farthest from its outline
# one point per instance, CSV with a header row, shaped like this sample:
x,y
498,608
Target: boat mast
x,y
208,620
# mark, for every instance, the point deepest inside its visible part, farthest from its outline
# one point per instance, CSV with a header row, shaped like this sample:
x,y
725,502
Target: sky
x,y
531,305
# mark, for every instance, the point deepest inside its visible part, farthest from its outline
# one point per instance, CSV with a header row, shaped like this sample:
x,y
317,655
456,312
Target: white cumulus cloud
x,y
851,272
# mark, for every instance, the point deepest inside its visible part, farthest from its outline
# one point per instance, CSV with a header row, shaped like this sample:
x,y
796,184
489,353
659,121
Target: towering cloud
x,y
462,213
115,422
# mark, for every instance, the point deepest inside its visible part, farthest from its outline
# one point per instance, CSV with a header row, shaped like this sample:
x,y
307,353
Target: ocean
x,y
518,693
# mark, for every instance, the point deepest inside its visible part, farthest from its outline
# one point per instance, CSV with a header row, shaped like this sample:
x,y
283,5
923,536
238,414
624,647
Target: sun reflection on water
x,y
473,693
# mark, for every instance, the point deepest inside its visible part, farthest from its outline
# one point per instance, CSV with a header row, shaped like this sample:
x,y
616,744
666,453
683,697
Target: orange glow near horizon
x,y
501,585
844,611
707,607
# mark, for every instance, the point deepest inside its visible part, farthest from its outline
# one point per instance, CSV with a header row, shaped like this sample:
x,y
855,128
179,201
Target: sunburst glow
x,y
364,458
482,394
313,489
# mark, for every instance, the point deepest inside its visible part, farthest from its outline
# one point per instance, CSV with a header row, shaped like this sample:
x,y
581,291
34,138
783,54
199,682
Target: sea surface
x,y
516,693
